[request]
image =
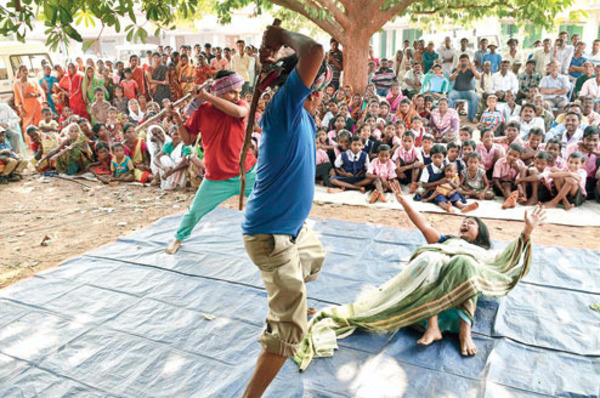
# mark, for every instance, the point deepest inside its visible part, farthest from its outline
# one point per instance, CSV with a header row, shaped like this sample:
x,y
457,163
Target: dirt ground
x,y
48,220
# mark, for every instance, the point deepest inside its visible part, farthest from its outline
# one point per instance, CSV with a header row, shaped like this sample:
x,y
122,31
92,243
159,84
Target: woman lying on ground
x,y
438,290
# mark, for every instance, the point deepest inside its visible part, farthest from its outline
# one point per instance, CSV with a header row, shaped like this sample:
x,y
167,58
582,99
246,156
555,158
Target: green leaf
x,y
86,45
143,34
117,25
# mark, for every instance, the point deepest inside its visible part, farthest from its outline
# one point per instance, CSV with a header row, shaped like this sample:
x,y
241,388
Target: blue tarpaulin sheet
x,y
127,320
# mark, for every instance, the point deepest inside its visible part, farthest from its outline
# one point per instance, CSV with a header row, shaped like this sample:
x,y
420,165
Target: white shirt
x,y
507,82
593,118
541,59
488,84
595,58
8,115
507,57
564,55
444,53
590,88
561,81
525,126
506,112
425,173
578,136
353,158
410,75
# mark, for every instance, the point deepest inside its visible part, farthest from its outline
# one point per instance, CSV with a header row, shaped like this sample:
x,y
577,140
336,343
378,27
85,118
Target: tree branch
x,y
338,14
463,6
331,27
382,16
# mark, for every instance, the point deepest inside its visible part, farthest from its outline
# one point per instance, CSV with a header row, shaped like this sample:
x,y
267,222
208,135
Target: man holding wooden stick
x,y
221,118
285,250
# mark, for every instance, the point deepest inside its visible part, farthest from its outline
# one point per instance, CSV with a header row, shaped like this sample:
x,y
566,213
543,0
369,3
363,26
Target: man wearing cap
x,y
493,57
221,118
286,252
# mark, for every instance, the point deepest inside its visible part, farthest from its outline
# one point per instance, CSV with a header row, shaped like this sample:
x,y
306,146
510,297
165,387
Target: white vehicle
x,y
15,54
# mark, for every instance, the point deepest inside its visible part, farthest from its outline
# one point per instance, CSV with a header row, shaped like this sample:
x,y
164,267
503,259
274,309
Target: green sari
x,y
76,159
443,278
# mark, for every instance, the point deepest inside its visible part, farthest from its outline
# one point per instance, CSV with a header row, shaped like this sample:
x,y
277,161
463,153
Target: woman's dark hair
x,y
97,126
223,73
128,126
483,237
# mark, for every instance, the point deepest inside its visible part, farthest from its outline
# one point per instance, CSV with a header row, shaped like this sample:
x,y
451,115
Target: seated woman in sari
x,y
438,289
172,162
73,154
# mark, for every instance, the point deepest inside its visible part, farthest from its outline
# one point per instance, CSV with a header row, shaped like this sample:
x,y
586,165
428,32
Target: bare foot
x,y
568,205
467,347
532,202
449,207
382,198
311,311
374,197
550,205
511,201
470,207
363,189
335,190
173,247
431,335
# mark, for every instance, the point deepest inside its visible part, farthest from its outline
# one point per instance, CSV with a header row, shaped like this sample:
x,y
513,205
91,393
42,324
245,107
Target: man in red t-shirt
x,y
222,120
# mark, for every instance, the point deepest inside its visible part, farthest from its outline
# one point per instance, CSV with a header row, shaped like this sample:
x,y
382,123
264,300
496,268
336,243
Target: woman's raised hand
x,y
533,219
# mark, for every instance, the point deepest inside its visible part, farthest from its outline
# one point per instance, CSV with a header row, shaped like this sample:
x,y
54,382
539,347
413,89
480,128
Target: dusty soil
x,y
48,220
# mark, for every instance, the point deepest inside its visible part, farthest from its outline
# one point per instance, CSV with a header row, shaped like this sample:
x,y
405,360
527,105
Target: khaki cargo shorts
x,y
285,265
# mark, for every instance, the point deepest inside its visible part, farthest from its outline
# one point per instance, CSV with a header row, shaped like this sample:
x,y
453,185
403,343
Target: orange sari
x,y
32,107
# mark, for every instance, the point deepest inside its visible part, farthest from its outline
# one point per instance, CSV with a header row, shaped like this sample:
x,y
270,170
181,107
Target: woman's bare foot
x,y
467,347
311,311
173,247
431,335
335,190
470,207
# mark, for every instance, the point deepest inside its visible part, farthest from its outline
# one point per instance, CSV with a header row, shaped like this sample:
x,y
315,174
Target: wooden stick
x,y
161,113
250,128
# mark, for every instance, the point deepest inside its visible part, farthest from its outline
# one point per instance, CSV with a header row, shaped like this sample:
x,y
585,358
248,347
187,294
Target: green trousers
x,y
210,194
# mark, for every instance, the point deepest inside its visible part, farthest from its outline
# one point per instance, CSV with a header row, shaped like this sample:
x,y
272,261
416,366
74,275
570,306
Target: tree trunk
x,y
355,45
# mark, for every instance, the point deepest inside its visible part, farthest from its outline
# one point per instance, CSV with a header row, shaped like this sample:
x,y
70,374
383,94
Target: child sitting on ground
x,y
418,129
473,182
468,147
49,129
465,134
453,150
14,165
534,180
590,149
121,165
364,132
382,171
533,146
100,107
432,173
554,148
351,167
511,135
101,169
114,126
324,166
426,145
63,120
37,146
389,138
505,175
489,151
570,184
408,162
446,194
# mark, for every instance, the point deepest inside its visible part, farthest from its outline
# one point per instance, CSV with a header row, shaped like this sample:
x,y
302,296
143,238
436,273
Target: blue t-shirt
x,y
285,178
577,62
494,59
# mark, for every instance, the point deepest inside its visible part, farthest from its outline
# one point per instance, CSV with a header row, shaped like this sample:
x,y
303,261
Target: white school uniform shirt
x,y
507,82
425,173
354,157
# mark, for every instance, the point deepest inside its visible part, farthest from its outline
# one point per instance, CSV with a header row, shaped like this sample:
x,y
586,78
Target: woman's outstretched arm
x,y
431,234
533,219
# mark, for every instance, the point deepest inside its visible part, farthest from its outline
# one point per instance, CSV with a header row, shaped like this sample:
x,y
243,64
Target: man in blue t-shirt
x,y
287,253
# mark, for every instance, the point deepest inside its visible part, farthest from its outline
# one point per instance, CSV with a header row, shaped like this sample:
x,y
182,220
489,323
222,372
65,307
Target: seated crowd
x,y
532,132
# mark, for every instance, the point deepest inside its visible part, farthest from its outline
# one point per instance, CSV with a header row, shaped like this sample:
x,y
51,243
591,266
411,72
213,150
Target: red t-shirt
x,y
222,138
129,88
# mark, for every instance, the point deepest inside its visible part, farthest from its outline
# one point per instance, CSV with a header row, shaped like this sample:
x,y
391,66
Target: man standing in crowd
x,y
555,87
286,251
493,57
221,119
464,87
512,55
464,50
527,79
576,68
335,60
594,56
240,64
208,52
186,75
479,54
447,54
137,74
485,85
563,54
542,57
218,63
